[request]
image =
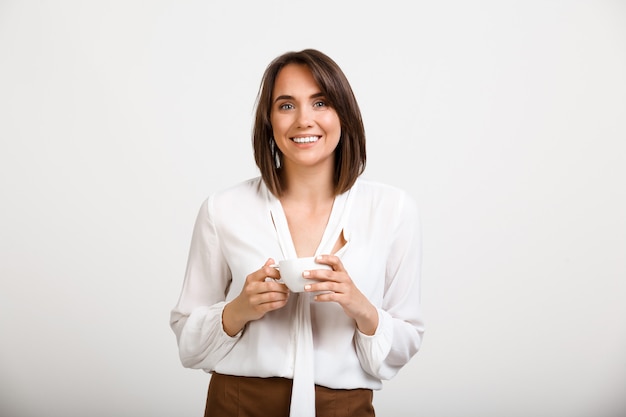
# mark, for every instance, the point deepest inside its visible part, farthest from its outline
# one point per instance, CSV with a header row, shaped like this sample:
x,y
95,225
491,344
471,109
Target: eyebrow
x,y
288,97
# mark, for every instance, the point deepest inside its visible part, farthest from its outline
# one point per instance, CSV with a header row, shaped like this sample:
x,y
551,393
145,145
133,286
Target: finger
x,y
266,271
270,271
270,296
265,287
319,274
327,296
331,260
274,305
324,286
270,300
273,286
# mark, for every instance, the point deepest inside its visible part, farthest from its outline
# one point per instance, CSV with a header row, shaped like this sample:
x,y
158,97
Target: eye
x,y
319,103
286,106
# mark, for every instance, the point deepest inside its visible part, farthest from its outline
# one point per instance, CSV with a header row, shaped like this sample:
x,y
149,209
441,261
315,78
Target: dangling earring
x,y
275,152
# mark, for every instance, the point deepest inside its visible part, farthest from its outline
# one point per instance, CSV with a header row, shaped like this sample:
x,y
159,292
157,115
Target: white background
x,y
505,119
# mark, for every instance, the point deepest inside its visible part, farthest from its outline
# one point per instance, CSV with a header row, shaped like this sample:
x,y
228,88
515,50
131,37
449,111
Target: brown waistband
x,y
252,396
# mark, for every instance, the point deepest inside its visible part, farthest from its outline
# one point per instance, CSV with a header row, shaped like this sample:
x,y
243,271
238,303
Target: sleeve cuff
x,y
373,349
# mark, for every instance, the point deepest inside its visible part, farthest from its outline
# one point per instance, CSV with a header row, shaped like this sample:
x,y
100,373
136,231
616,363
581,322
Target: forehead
x,y
295,80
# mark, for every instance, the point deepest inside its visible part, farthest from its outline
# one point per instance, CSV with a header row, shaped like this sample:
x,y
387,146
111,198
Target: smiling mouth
x,y
306,139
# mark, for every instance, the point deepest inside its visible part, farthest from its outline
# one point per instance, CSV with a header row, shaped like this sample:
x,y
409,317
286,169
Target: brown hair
x,y
350,152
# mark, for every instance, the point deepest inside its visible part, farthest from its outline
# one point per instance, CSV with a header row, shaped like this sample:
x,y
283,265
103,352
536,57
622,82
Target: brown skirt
x,y
238,396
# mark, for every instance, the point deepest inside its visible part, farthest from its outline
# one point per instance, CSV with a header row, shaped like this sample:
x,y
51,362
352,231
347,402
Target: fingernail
x,y
319,258
306,273
307,287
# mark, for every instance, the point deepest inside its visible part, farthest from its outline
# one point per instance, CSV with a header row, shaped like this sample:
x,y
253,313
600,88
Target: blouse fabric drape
x,y
239,228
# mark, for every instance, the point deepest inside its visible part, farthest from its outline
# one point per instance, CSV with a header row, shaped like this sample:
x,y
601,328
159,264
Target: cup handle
x,y
275,266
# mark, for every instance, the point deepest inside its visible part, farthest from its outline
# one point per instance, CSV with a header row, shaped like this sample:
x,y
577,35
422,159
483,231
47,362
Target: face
x,y
306,129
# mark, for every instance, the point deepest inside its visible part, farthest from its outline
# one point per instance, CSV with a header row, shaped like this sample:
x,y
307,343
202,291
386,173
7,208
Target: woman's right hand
x,y
257,297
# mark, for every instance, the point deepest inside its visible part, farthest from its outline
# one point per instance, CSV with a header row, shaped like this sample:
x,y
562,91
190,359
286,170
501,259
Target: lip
x,y
305,139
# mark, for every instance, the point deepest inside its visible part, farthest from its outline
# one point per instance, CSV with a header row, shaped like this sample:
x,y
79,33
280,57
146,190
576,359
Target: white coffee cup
x,y
291,272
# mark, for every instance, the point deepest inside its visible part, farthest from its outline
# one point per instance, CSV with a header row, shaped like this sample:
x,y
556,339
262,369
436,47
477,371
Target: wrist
x,y
232,323
368,322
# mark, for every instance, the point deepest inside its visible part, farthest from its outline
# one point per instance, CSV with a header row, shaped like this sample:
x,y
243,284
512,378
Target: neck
x,y
310,185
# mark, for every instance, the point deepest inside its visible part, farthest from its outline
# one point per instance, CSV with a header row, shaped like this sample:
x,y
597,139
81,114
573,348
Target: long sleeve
x,y
237,229
401,327
197,318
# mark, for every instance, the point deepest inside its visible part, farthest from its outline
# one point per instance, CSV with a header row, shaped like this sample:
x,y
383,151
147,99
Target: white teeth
x,y
306,140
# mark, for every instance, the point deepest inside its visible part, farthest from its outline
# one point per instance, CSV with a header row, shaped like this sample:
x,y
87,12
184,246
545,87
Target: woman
x,y
276,353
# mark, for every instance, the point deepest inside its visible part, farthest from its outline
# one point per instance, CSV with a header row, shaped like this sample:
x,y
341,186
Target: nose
x,y
304,117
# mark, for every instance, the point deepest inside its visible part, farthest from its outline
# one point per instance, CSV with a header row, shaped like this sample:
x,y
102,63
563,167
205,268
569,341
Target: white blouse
x,y
239,228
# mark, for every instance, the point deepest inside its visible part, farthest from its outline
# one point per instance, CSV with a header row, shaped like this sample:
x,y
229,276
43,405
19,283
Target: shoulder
x,y
375,199
245,193
248,187
375,191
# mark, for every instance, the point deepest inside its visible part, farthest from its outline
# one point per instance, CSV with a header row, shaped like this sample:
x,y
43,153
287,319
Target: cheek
x,y
332,124
331,118
279,124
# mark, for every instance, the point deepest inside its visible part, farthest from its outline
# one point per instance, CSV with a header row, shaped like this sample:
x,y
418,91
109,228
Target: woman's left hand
x,y
339,287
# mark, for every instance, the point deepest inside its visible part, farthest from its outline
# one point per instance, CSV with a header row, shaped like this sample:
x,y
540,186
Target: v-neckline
x,y
332,230
303,350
